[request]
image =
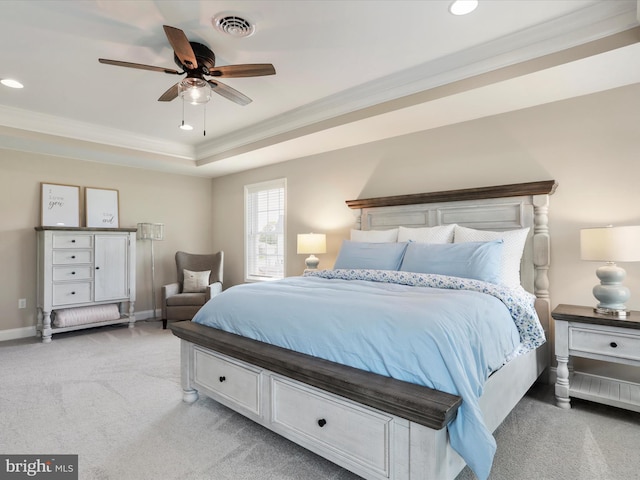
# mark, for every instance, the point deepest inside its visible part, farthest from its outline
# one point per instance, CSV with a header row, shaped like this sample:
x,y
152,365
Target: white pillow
x,y
514,241
437,234
195,282
374,236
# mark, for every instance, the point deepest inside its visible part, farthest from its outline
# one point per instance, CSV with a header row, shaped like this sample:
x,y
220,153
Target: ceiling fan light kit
x,y
195,91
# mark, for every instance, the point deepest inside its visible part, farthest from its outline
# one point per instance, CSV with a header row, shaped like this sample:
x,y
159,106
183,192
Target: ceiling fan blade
x,y
181,46
140,66
169,94
246,70
230,93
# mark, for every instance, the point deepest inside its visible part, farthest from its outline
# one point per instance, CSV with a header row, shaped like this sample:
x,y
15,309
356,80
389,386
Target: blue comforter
x,y
447,338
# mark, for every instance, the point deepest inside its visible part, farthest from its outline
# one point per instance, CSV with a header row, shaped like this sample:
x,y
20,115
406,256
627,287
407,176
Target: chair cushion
x,y
187,299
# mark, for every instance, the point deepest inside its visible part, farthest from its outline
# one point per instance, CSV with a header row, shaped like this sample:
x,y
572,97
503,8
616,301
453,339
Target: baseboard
x,y
147,314
16,333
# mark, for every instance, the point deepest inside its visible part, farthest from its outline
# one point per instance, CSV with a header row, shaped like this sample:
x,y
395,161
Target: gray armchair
x,y
180,305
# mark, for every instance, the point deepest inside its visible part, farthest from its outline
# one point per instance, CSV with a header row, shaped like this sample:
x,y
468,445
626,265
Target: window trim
x,y
252,189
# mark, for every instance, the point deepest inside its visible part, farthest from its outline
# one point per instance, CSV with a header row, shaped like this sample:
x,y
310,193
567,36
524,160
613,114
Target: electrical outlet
x,y
22,303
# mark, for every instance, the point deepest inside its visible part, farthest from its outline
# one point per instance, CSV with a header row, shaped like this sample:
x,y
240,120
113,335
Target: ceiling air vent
x,y
234,25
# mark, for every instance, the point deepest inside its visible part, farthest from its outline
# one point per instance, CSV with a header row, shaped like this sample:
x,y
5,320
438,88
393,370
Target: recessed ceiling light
x,y
8,82
463,7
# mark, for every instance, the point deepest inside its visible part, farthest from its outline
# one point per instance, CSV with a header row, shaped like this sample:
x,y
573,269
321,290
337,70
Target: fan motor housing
x,y
204,56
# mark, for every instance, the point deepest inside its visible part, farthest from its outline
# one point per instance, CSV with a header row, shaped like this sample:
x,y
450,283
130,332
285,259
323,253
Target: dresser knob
x,y
97,268
73,256
322,422
222,379
73,293
73,273
73,241
613,345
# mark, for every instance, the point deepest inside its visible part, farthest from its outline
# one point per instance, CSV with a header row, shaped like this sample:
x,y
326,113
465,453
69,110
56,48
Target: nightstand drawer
x,y
602,341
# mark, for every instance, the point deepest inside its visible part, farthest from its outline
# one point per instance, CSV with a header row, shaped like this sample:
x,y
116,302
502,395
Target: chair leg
x,y
164,323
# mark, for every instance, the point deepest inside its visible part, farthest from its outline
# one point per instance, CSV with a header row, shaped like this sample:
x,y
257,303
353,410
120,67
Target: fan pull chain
x,y
182,126
204,121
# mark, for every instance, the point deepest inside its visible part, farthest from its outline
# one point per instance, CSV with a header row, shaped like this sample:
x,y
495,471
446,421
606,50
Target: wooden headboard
x,y
505,207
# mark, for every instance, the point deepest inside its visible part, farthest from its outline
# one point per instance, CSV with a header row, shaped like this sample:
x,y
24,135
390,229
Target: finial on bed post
x,y
541,247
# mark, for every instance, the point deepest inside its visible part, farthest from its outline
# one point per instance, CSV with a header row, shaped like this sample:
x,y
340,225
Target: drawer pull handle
x,y
73,241
613,345
322,422
73,273
73,256
222,379
73,293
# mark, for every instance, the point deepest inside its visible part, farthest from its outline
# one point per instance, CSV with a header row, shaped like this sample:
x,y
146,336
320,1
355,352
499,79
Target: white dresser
x,y
84,267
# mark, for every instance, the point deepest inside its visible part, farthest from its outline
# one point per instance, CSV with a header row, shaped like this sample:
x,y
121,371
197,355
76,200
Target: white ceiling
x,y
348,72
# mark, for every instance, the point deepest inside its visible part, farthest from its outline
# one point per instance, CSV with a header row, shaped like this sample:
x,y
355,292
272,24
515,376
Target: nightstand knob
x,y
322,422
613,345
222,379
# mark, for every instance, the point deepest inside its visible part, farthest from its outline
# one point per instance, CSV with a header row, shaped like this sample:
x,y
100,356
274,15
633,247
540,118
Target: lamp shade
x,y
150,231
311,243
610,244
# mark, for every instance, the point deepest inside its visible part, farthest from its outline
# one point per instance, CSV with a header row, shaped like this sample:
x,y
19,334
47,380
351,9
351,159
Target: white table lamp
x,y
610,245
312,243
151,231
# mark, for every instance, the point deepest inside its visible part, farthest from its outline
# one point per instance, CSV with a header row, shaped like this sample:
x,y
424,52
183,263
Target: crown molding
x,y
51,125
589,24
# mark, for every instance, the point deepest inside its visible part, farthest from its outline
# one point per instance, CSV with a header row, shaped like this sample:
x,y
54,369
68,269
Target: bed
x,y
374,421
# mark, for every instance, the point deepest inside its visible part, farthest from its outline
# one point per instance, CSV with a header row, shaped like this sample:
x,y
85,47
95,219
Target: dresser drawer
x,y
603,341
82,272
69,257
332,424
235,381
61,240
70,293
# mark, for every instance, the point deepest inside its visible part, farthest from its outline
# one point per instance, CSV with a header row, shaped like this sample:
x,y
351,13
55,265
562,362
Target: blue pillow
x,y
476,260
374,256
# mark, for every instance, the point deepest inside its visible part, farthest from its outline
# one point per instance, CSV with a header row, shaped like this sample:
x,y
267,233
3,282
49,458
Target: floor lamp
x,y
151,231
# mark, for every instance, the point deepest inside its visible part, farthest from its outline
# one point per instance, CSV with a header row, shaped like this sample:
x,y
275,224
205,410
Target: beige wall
x,y
589,145
182,203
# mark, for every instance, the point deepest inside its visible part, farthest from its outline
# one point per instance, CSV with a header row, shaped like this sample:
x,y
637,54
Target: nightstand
x,y
580,332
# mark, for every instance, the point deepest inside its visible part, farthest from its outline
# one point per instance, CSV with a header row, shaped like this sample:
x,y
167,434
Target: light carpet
x,y
112,395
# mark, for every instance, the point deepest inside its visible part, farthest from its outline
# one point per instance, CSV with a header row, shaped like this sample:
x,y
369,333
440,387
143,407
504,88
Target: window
x,y
264,206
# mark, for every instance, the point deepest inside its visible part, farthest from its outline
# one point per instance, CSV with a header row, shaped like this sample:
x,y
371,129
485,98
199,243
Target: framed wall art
x,y
102,207
59,205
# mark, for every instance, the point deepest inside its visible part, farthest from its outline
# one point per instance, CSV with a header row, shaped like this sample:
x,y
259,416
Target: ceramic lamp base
x,y
611,294
312,262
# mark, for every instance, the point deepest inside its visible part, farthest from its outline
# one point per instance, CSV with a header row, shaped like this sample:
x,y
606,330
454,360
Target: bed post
x,y
541,248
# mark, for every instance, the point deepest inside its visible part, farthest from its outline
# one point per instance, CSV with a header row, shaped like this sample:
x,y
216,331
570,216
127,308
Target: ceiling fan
x,y
198,61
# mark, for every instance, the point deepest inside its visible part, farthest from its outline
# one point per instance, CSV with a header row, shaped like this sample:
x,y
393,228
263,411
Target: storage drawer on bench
x,y
331,424
229,378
